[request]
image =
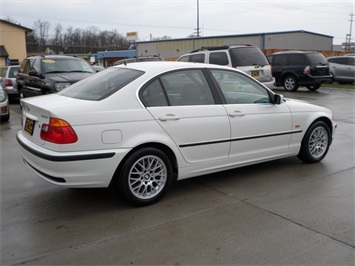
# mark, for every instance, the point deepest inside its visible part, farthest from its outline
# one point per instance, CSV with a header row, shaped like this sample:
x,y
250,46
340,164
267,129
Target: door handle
x,y
236,113
169,117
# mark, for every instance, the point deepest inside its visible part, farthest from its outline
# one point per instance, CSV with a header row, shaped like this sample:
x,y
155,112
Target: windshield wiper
x,y
81,71
50,72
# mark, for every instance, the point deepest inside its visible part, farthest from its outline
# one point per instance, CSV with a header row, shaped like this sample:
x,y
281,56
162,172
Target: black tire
x,y
144,177
5,118
313,87
290,83
315,143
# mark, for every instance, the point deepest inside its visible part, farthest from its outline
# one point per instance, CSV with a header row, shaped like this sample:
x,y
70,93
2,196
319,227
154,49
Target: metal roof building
x,y
284,40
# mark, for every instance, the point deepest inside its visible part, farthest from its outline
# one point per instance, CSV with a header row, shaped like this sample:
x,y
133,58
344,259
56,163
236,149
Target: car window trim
x,y
219,90
215,94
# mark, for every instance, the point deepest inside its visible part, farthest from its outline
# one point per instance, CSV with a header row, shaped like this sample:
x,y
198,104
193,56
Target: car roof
x,y
338,56
155,67
138,59
53,56
223,47
296,52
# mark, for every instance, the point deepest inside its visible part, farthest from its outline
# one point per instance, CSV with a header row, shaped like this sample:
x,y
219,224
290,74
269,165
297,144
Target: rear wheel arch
x,y
156,145
116,183
286,85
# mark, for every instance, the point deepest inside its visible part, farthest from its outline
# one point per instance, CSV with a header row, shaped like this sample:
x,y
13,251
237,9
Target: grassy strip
x,y
340,86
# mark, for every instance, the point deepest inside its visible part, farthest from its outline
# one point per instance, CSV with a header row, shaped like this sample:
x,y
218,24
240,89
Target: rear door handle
x,y
168,117
236,113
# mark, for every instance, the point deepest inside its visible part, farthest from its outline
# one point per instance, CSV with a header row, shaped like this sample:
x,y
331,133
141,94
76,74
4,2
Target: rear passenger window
x,y
197,58
218,58
188,87
279,60
341,61
153,95
294,59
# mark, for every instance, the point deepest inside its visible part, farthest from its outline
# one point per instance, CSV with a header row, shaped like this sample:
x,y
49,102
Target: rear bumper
x,y
312,80
270,84
71,169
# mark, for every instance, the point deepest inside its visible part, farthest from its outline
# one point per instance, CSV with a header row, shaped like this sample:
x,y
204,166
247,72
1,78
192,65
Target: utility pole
x,y
198,19
348,44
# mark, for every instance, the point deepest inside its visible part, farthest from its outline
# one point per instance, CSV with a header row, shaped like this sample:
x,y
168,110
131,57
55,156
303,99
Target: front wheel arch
x,y
316,142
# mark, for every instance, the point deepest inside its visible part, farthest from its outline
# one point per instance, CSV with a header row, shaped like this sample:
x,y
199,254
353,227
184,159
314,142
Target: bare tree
x,y
58,35
74,40
41,29
11,20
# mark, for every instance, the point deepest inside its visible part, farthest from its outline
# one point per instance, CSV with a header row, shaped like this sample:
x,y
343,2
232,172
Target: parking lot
x,y
278,213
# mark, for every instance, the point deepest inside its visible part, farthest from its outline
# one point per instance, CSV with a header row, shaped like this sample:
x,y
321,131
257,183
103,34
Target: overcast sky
x,y
178,18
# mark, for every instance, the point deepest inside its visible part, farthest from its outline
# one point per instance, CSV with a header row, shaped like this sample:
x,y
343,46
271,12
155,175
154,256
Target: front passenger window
x,y
240,89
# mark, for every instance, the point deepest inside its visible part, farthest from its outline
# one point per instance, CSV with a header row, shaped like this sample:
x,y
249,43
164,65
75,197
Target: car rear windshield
x,y
248,56
13,72
317,59
102,84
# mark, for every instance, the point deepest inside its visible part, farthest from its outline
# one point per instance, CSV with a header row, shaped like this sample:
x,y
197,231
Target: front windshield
x,y
58,65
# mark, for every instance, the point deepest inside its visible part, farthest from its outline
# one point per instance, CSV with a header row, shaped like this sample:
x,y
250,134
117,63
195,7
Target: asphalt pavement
x,y
283,212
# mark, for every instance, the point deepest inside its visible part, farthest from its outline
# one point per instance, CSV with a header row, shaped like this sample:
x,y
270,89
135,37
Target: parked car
x,y
138,59
138,127
4,105
342,68
9,84
40,75
292,69
247,58
98,68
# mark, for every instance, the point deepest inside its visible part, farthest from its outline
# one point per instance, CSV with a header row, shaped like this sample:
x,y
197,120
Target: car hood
x,y
71,77
304,106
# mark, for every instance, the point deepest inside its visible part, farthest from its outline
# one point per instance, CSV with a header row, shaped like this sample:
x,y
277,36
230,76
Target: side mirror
x,y
33,73
278,99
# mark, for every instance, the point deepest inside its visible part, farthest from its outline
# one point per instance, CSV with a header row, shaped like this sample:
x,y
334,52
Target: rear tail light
x,y
3,110
58,131
307,70
8,83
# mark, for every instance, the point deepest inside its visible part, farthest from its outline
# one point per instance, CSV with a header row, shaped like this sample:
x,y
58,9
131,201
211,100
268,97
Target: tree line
x,y
72,40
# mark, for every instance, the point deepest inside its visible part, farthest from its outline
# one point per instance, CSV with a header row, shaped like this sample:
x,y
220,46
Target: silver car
x,y
342,68
4,105
9,84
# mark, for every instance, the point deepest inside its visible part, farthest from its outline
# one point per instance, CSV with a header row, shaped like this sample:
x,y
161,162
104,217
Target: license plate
x,y
29,126
255,74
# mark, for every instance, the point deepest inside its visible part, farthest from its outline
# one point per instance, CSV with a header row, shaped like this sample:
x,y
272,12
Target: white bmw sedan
x,y
138,127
